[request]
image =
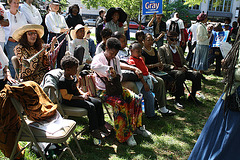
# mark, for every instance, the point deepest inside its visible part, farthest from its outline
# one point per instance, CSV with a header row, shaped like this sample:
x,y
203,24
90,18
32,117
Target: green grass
x,y
173,137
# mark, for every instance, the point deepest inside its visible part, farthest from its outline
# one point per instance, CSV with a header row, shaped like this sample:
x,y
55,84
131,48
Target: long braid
x,y
229,64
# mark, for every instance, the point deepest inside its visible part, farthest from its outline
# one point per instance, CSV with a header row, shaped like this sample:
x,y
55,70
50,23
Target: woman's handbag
x,y
113,86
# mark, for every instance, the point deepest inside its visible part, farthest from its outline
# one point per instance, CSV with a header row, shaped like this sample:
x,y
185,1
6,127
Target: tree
x,y
131,7
38,3
181,8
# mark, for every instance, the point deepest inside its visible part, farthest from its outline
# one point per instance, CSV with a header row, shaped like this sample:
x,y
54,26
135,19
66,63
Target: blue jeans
x,y
10,52
148,102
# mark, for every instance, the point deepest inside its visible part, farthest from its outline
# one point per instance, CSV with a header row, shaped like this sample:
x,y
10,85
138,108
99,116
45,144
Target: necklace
x,y
150,52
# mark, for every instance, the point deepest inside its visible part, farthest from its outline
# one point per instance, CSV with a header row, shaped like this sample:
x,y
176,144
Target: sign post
x,y
149,7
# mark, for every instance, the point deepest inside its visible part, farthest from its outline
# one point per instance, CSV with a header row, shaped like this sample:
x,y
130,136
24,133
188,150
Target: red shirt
x,y
139,63
185,33
176,60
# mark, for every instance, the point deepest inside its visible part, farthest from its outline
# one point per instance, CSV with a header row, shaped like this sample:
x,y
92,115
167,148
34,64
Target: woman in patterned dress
x,y
127,107
30,43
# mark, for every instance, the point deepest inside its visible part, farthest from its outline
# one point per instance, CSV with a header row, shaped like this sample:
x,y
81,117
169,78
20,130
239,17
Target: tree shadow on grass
x,y
111,147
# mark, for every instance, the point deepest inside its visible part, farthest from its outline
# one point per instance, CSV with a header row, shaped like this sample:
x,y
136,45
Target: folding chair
x,y
190,93
66,110
90,86
50,87
34,135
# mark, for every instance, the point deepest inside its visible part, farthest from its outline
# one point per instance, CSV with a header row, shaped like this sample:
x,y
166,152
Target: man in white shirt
x,y
3,23
180,26
31,12
192,29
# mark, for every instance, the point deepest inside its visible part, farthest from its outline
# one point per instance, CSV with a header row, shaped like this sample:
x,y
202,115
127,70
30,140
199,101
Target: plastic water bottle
x,y
200,95
143,108
97,142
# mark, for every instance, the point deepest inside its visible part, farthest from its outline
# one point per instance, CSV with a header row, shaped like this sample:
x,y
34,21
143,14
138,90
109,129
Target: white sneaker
x,y
131,141
178,105
142,131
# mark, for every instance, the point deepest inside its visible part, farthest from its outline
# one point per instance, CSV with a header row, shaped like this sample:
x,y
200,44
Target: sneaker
x,y
96,134
104,130
168,113
131,141
178,105
141,130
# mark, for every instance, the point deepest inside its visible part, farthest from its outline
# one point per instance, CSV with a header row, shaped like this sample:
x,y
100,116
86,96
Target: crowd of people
x,y
147,71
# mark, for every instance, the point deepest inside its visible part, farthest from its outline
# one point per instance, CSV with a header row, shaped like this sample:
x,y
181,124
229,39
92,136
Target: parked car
x,y
90,22
134,25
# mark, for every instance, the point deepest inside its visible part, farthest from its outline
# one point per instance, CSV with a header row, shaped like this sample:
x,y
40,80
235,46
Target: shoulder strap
x,y
114,64
101,78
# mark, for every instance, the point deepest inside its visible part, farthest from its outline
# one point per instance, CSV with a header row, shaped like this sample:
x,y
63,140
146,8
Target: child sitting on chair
x,y
73,96
149,84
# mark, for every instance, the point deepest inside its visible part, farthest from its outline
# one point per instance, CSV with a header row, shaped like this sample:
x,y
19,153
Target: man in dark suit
x,y
175,65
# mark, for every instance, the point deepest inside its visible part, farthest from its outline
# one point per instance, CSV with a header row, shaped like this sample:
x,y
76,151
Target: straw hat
x,y
28,27
77,27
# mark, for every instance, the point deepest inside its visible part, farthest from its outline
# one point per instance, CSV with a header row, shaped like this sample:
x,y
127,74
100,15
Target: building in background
x,y
226,8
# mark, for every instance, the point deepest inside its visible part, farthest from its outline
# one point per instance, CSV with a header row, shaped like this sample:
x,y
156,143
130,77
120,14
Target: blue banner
x,y
219,37
151,6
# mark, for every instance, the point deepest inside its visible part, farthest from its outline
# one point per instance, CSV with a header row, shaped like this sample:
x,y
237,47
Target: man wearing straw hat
x,y
77,35
30,43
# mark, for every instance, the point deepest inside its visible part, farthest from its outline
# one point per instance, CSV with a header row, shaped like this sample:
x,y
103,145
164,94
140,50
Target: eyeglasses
x,y
173,39
32,33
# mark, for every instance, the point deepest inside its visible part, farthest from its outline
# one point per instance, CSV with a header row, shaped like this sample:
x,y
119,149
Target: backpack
x,y
174,26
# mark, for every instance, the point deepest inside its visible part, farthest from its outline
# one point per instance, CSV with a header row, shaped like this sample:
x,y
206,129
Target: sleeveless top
x,y
150,59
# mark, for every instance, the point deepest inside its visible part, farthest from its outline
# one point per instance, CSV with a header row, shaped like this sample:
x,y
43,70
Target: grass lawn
x,y
173,137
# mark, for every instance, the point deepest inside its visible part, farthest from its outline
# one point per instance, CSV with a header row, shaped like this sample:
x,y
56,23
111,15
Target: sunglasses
x,y
32,33
173,39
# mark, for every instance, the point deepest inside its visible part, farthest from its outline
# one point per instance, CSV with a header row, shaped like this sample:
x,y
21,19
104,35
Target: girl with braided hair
x,y
220,136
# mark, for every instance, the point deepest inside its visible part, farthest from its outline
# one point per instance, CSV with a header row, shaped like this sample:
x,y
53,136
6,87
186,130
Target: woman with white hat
x,y
56,25
30,43
16,19
77,35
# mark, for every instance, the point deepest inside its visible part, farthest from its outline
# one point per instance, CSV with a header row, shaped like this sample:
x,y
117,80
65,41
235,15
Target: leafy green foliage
x,y
131,7
181,8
